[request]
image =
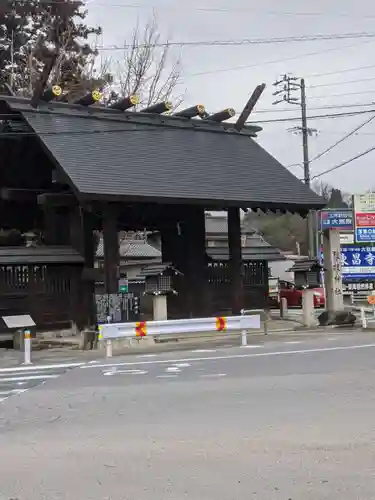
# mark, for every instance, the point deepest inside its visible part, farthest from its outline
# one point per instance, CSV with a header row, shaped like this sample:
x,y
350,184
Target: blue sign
x,y
336,219
364,234
358,262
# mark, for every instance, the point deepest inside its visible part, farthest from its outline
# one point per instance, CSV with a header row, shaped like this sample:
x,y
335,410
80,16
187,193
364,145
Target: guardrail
x,y
367,315
230,324
262,313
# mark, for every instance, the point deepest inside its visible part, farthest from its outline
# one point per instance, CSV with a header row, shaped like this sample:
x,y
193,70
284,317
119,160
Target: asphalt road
x,y
275,421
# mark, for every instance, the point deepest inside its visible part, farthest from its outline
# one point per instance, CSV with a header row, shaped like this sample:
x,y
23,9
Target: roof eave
x,y
211,203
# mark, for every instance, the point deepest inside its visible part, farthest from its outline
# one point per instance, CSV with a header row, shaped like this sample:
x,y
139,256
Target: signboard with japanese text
x,y
364,217
358,262
359,286
347,238
336,219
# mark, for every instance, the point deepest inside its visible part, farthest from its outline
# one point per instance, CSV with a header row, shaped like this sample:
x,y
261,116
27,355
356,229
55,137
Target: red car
x,y
293,295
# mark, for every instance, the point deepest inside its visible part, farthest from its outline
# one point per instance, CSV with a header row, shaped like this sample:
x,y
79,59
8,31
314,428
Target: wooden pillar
x,y
82,239
56,225
184,245
111,249
235,258
195,268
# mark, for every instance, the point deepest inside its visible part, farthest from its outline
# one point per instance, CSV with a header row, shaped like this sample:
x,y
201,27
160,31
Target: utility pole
x,y
286,86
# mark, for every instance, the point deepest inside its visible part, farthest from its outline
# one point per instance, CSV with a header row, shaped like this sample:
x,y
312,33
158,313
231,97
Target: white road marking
x,y
12,391
29,377
205,350
39,367
166,376
251,346
172,369
2,399
294,342
147,356
125,372
214,375
182,365
233,356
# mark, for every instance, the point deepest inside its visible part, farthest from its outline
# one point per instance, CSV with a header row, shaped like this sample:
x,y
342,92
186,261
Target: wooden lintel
x,y
57,200
21,195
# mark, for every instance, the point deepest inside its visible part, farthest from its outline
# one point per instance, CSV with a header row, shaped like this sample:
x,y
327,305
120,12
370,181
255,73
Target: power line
x,y
312,117
275,61
228,11
342,139
334,84
247,41
343,164
315,108
218,9
341,95
345,70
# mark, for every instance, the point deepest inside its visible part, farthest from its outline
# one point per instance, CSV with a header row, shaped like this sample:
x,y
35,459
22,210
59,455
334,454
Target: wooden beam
x,y
235,257
57,199
111,249
20,195
258,91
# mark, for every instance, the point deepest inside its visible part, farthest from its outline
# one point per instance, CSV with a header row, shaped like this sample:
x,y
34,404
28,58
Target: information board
x,y
364,217
358,262
336,219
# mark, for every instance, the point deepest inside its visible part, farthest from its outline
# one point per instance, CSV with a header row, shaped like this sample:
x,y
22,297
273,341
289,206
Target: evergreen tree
x,y
32,30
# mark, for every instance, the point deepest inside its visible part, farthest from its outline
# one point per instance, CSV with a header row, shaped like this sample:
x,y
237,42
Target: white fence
x,y
230,324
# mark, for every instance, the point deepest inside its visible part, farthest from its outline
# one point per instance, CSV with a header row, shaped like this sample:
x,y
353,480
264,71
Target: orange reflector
x,y
141,329
221,324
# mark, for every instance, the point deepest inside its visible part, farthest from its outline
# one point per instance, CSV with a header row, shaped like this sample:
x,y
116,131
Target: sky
x,y
225,76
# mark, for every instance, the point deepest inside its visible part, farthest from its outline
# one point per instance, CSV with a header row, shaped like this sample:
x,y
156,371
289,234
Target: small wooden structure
x,y
44,282
307,273
160,279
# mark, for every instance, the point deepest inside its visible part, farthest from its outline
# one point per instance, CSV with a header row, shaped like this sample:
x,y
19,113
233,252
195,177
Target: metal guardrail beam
x,y
261,312
230,324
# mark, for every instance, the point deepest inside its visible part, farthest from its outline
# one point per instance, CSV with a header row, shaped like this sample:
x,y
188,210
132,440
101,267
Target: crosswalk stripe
x,y
39,367
30,374
28,377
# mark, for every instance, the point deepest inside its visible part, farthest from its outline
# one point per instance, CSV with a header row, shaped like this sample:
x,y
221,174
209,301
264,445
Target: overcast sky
x,y
221,77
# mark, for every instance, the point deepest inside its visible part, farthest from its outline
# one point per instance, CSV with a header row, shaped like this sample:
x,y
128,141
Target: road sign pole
x,y
27,347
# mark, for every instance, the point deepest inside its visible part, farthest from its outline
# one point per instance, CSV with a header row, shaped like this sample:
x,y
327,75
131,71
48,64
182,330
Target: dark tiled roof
x,y
127,156
256,249
132,250
305,265
218,224
39,255
252,253
156,269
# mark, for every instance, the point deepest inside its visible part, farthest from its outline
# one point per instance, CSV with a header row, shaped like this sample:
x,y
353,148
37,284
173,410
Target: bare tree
x,y
148,70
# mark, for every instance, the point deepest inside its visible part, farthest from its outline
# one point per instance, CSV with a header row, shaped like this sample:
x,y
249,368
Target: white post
x,y
108,348
160,310
283,308
308,310
363,318
332,274
243,338
27,347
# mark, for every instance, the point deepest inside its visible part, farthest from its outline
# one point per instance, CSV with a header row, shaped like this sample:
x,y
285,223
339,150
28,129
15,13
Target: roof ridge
x,y
103,113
